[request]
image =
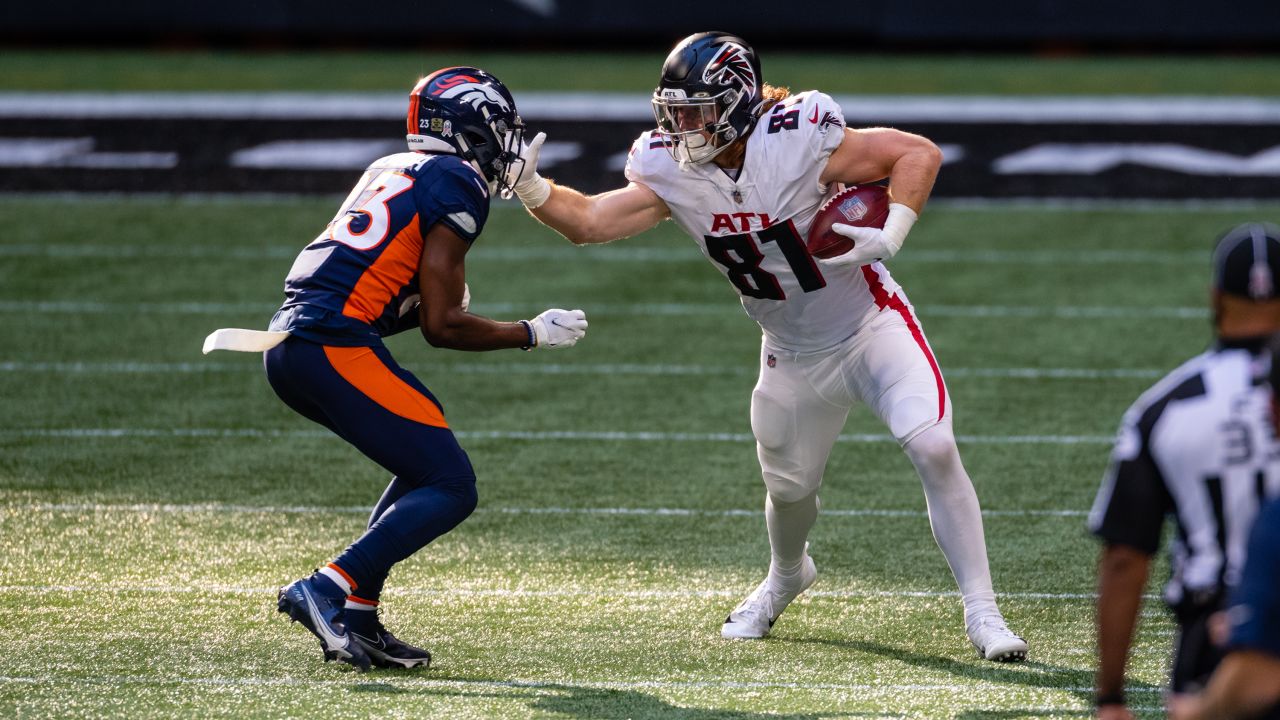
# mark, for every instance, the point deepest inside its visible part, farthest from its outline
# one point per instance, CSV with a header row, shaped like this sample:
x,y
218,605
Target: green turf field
x,y
631,71
151,498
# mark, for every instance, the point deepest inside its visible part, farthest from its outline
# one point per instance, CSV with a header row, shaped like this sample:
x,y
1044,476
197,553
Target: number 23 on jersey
x,y
364,221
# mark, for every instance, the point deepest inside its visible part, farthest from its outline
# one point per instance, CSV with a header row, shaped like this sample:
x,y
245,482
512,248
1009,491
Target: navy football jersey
x,y
355,281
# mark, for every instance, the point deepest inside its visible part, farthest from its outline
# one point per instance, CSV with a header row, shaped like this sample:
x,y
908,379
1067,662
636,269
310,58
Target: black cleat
x,y
383,648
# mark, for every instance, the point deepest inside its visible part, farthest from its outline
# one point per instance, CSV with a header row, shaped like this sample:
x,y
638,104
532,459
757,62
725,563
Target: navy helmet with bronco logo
x,y
468,112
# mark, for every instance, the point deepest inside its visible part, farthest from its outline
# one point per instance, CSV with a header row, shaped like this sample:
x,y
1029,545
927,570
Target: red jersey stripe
x,y
885,300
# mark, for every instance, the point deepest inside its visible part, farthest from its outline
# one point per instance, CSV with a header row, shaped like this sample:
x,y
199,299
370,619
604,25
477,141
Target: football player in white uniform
x,y
743,168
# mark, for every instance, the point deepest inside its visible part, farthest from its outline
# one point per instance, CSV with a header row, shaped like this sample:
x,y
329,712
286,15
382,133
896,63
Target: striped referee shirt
x,y
1200,446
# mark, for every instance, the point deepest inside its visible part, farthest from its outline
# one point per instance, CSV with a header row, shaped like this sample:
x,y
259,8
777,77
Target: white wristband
x,y
533,192
897,225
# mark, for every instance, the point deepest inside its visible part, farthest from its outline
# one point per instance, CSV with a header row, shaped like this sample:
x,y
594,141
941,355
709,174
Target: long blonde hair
x,y
772,96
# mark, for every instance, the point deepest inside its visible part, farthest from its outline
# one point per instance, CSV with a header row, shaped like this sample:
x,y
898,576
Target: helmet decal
x,y
708,95
473,93
470,113
731,61
439,86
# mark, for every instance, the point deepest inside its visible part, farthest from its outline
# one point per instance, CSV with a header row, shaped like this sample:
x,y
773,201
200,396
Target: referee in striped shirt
x,y
1198,446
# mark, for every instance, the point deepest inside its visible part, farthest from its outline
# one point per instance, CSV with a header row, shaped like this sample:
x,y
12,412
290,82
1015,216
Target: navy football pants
x,y
363,396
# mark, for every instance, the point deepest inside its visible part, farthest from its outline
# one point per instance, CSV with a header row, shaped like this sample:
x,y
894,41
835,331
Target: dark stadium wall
x,y
923,24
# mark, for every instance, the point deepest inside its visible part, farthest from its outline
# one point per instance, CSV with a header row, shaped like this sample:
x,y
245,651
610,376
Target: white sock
x,y
789,525
355,603
955,517
339,578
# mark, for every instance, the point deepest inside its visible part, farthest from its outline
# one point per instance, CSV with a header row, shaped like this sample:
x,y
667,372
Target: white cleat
x,y
995,641
755,616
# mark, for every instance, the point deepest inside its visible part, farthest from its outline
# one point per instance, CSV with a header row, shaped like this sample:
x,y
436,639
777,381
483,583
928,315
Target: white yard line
x,y
254,365
621,254
89,307
603,436
231,509
877,688
958,204
532,594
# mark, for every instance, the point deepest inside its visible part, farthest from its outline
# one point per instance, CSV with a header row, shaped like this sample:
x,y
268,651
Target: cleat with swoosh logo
x,y
310,602
383,648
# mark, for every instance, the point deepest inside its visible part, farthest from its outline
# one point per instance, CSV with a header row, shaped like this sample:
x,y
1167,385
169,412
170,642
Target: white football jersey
x,y
753,228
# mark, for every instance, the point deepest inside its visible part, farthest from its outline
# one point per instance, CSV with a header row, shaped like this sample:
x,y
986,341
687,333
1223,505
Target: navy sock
x,y
406,524
371,590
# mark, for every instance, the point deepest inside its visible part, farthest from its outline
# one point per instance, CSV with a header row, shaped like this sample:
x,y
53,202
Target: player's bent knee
x,y
787,490
772,422
465,493
933,445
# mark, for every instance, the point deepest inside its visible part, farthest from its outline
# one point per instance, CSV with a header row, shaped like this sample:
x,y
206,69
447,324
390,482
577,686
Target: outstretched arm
x,y
600,218
580,218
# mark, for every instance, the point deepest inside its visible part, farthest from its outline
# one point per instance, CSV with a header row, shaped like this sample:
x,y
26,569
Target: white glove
x,y
524,179
873,244
557,328
466,297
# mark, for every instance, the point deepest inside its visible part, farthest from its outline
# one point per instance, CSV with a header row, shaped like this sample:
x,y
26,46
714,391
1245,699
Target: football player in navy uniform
x,y
743,168
390,260
1246,684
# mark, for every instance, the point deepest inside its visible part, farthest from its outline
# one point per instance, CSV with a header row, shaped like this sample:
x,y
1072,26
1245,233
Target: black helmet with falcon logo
x,y
710,95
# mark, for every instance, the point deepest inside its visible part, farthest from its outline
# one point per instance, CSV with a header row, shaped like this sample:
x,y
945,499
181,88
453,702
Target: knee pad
x,y
911,416
772,422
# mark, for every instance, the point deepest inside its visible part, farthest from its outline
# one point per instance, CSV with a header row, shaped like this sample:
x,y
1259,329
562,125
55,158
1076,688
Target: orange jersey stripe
x,y
394,268
366,372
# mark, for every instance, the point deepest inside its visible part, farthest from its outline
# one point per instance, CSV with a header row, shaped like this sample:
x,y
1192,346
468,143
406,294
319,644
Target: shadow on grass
x,y
585,702
1027,674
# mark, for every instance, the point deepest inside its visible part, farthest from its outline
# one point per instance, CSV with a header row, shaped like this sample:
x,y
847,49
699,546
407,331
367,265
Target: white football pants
x,y
799,406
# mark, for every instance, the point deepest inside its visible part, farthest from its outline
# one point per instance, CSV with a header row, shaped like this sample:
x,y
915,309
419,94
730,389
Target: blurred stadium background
x,y
161,163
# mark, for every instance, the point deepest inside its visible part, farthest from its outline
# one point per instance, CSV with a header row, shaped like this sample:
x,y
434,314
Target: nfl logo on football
x,y
853,209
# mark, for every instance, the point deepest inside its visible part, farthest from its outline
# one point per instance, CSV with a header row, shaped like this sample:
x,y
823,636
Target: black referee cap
x,y
1246,262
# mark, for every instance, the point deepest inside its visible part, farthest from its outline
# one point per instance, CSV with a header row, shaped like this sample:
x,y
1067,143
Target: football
x,y
861,205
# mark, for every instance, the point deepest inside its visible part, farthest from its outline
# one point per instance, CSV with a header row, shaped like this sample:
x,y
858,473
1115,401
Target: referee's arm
x,y
1127,516
1122,574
